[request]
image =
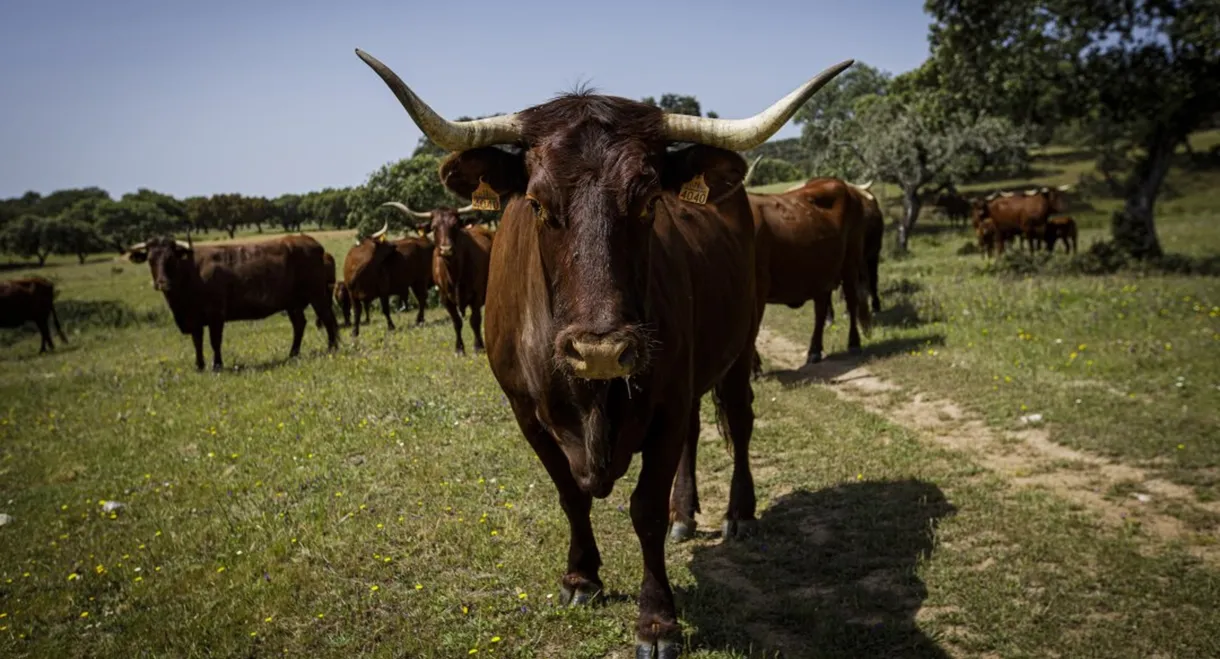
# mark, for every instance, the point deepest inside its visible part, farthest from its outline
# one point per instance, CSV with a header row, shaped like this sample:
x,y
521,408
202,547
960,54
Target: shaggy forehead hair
x,y
589,139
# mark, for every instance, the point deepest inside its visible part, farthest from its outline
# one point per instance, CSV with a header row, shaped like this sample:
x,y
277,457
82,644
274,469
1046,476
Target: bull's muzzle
x,y
596,358
445,250
162,285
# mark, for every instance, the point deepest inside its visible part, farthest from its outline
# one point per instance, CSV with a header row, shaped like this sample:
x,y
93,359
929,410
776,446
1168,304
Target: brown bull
x,y
1024,215
621,290
377,268
459,265
810,240
30,299
1061,228
210,285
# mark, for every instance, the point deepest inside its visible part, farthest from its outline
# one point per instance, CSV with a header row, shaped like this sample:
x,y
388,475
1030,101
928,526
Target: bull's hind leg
x,y
421,297
216,334
581,583
325,313
734,398
385,310
476,326
821,304
852,300
297,316
44,331
684,501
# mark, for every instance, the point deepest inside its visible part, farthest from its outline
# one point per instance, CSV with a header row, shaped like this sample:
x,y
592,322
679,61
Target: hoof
x,y
216,368
682,531
737,529
855,350
419,323
813,358
659,650
584,594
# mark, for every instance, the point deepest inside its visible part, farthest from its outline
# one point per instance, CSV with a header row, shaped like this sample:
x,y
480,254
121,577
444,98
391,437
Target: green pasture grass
x,y
380,501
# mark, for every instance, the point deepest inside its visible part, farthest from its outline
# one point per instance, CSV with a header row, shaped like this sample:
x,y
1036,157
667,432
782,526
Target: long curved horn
x,y
183,245
750,172
1007,194
406,210
1030,193
1064,188
863,186
451,135
745,134
381,234
465,209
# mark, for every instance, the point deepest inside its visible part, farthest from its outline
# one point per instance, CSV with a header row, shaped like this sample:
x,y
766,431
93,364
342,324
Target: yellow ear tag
x,y
484,198
694,191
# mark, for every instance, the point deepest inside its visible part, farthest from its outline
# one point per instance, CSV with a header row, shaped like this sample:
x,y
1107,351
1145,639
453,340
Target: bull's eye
x,y
540,212
650,208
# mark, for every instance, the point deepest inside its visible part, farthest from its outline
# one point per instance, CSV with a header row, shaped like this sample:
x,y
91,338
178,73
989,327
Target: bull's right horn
x,y
1007,194
745,134
451,135
406,210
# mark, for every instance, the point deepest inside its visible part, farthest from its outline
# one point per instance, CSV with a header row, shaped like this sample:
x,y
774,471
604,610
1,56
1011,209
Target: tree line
x,y
1130,81
84,221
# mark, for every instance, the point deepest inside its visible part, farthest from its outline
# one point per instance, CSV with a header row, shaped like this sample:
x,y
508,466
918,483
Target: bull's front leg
x,y
658,635
197,338
581,583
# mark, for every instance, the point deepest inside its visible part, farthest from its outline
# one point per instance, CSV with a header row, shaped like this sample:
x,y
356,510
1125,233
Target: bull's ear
x,y
504,172
138,256
721,170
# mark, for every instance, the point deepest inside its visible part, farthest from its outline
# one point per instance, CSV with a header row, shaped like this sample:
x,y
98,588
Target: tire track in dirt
x,y
1027,458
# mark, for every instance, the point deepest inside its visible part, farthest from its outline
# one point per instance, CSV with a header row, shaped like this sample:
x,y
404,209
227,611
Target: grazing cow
x,y
377,268
955,207
210,285
874,220
1024,215
809,241
30,299
459,265
1061,228
620,291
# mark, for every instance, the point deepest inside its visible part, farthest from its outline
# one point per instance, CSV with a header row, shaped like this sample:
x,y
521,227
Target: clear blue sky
x,y
266,97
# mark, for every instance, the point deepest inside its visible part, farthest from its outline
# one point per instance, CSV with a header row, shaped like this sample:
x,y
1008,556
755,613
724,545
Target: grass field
x,y
380,501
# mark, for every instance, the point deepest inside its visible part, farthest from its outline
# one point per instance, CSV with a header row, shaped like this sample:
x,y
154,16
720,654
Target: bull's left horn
x,y
183,245
380,234
863,186
406,210
745,134
465,209
1064,188
451,135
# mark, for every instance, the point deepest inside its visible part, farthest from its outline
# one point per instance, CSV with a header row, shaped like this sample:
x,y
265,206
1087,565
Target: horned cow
x,y
621,289
207,286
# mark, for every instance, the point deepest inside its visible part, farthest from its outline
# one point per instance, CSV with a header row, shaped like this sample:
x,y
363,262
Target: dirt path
x,y
1027,458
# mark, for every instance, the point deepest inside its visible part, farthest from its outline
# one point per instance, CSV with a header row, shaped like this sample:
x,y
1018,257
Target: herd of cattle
x,y
1001,216
626,279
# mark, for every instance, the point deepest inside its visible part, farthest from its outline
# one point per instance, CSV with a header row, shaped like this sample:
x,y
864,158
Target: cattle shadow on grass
x,y
832,573
834,367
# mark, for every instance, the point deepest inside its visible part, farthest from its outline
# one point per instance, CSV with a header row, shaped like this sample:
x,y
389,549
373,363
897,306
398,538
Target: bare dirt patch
x,y
1028,458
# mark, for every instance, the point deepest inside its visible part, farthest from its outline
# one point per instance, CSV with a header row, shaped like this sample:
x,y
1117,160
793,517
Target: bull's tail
x,y
58,330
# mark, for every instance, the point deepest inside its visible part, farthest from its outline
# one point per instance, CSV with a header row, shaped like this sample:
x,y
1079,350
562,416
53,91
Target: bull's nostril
x,y
570,351
627,358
